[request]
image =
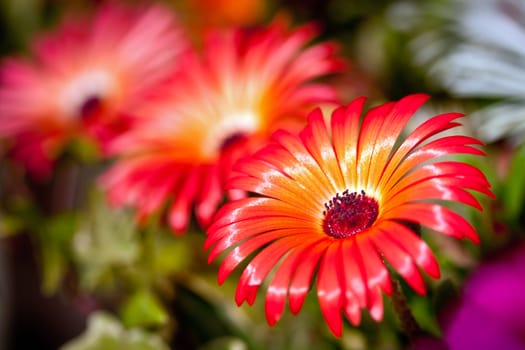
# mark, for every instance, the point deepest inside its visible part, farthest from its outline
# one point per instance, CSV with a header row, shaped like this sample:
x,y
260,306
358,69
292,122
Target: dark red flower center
x,y
90,106
232,139
348,214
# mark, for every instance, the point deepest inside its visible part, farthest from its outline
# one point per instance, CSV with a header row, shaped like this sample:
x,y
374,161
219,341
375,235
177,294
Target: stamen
x,y
90,106
349,214
230,140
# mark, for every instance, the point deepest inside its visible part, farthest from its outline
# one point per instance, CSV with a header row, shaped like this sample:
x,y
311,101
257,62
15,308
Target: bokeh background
x,y
76,273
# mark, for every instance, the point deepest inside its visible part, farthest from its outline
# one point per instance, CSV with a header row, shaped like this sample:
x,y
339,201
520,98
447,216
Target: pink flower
x,y
85,78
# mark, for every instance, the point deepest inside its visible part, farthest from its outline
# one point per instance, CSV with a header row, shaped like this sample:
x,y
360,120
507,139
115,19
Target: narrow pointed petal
x,y
278,288
420,134
317,141
415,247
178,216
354,273
401,261
240,252
302,277
376,271
345,133
329,290
437,218
254,274
376,304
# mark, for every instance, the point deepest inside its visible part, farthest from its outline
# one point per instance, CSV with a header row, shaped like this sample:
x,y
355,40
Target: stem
x,y
403,312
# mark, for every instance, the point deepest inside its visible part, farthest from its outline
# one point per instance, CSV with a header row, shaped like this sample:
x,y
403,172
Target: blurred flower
x,y
472,61
222,105
85,79
492,300
341,198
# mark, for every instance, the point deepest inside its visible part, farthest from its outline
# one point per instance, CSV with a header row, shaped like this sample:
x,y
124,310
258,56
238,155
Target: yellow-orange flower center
x,y
348,214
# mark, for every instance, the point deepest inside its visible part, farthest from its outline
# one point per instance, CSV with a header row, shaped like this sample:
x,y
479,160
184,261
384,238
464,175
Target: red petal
x,y
238,231
257,270
159,193
302,276
351,279
242,251
278,288
345,133
368,138
473,177
401,261
299,164
435,188
407,240
277,186
317,140
437,148
329,291
376,304
374,301
254,208
376,271
419,135
380,131
435,217
210,195
354,272
179,213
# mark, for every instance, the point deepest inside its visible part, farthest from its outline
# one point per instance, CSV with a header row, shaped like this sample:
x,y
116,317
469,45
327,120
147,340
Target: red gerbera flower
x,y
226,101
84,77
338,199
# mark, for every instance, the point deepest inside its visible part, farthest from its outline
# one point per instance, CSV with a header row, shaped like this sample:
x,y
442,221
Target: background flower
x,y
85,78
225,102
490,300
338,200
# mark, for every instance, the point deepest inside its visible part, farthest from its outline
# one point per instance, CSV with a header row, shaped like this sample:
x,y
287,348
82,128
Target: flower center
x,y
228,131
348,214
231,139
90,106
85,92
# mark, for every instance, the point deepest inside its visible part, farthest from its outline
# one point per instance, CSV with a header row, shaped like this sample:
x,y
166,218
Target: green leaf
x,y
20,214
54,240
172,254
10,225
143,309
83,149
53,269
425,316
106,241
105,332
514,187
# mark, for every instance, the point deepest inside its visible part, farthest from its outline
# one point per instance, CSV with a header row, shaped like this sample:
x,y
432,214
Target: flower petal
x,y
302,276
329,290
401,261
279,286
435,217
